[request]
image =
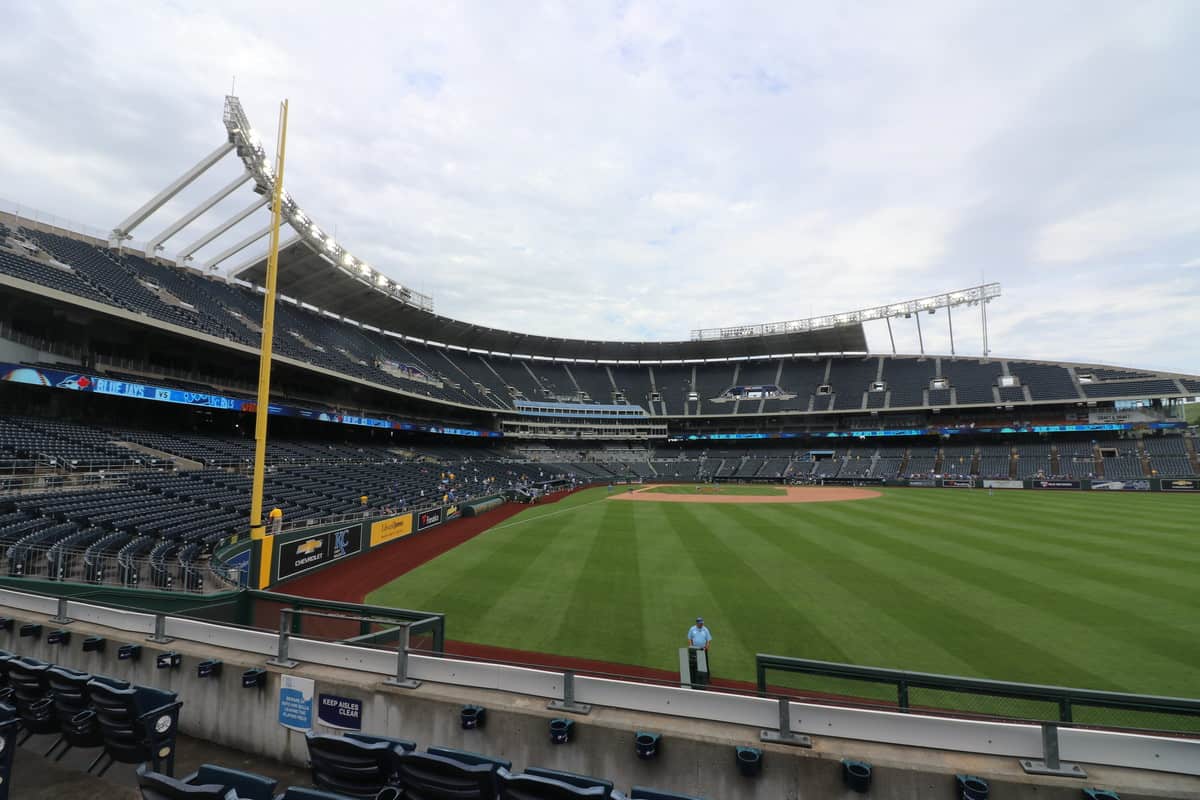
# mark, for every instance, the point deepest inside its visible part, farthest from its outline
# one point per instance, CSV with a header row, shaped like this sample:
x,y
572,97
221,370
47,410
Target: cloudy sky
x,y
639,169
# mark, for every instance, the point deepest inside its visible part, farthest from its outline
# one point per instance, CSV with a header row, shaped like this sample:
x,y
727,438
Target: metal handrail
x,y
903,680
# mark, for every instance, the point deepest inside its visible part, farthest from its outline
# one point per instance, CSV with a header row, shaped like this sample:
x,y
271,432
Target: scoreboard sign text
x,y
301,555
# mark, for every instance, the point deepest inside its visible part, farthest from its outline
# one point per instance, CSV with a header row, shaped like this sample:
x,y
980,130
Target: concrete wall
x,y
696,757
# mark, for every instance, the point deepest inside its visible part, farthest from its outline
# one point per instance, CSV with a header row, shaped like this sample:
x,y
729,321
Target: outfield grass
x,y
1097,590
1191,412
739,491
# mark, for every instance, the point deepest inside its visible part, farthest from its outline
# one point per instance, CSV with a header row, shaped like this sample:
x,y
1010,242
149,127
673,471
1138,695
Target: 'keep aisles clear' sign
x,y
340,712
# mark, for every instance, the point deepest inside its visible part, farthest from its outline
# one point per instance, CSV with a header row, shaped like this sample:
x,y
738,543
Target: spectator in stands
x,y
276,516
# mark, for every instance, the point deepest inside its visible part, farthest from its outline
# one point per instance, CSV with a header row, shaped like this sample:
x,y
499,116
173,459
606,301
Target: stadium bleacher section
x,y
228,310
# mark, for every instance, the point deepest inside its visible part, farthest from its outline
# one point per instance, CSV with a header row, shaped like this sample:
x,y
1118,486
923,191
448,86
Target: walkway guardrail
x,y
110,568
1039,747
932,693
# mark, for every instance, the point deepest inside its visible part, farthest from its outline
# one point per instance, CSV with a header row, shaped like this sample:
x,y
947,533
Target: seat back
x,y
570,778
304,793
27,677
69,690
349,766
467,757
407,745
10,725
156,786
133,727
425,776
247,785
536,787
642,793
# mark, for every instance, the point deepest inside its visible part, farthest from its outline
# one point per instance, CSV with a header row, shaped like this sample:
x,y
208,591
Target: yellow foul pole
x,y
257,529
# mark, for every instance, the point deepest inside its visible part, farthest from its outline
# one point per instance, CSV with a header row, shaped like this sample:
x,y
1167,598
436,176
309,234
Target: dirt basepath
x,y
795,494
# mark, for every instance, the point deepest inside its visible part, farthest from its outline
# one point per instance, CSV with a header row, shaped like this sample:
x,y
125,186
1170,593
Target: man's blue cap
x,y
700,620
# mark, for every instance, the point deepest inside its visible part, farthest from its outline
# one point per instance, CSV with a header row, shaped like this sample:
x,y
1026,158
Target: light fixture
x,y
347,259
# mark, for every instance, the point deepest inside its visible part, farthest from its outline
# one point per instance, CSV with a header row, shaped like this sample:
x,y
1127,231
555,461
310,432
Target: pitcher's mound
x,y
710,494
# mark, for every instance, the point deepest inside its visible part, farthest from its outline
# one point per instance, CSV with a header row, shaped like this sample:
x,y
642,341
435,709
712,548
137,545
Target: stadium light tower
x,y
908,309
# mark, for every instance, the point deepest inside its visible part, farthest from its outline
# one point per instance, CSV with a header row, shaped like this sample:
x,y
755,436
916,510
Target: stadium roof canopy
x,y
311,277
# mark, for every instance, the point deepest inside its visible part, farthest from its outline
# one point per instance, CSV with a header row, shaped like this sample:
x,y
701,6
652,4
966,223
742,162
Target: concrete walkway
x,y
38,778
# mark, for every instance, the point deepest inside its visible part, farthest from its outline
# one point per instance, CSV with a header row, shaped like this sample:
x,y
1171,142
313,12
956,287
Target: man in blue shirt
x,y
699,636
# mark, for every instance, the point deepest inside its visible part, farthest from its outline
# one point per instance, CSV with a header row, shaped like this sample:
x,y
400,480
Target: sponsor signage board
x,y
296,702
996,483
1179,484
301,555
958,483
1056,484
340,712
923,483
452,512
388,530
1121,486
427,519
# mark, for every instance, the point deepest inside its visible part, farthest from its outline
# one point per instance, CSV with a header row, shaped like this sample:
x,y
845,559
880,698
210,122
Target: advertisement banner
x,y
994,483
1121,486
390,529
301,555
1056,484
340,712
452,512
957,483
296,702
427,519
1179,484
923,483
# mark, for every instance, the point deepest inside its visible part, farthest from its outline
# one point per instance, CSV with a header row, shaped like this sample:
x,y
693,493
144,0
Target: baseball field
x,y
1097,590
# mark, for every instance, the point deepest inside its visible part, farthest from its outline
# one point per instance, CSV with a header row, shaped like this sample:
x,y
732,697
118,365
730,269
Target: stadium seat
x,y
467,757
138,724
535,787
78,724
404,744
348,766
247,785
643,793
304,793
571,778
31,696
10,725
425,775
156,786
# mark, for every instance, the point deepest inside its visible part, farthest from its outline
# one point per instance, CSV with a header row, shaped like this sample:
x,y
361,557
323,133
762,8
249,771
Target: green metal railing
x,y
929,692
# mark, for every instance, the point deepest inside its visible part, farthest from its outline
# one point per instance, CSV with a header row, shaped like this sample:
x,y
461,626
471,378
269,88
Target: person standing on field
x,y
699,636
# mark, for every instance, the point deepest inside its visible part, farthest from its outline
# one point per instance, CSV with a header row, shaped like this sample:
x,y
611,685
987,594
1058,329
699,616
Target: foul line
x,y
548,514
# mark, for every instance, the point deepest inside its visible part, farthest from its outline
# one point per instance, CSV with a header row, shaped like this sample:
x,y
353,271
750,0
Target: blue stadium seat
x,y
247,785
425,775
348,766
156,786
536,787
139,724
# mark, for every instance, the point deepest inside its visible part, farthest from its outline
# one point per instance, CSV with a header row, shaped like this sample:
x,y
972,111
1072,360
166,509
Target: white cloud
x,y
641,170
1150,216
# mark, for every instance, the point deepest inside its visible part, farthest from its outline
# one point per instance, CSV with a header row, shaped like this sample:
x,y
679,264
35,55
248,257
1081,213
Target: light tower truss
x,y
246,144
974,296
